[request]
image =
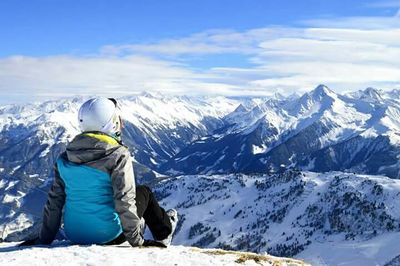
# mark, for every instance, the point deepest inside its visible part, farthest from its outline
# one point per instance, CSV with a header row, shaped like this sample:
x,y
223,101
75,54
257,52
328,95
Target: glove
x,y
30,242
153,243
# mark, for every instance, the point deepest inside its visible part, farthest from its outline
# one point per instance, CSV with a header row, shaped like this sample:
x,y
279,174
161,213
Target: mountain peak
x,y
322,90
320,98
319,93
373,93
240,108
278,96
152,94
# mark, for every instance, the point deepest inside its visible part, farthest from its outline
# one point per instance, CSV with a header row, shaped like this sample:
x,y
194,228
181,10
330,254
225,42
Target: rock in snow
x,y
63,254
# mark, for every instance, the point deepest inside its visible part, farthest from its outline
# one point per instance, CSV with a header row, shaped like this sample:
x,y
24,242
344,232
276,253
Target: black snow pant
x,y
154,216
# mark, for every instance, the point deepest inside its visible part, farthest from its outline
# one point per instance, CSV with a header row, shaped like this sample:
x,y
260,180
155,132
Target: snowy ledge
x,y
63,254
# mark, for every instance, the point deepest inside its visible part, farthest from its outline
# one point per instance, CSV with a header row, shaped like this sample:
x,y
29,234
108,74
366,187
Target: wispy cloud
x,y
357,23
385,4
65,75
344,53
388,4
209,42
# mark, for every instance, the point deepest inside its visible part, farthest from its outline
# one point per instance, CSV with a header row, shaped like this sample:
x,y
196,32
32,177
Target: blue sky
x,y
53,48
50,27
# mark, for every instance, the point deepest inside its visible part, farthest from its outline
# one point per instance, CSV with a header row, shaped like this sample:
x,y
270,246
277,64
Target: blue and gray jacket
x,y
94,185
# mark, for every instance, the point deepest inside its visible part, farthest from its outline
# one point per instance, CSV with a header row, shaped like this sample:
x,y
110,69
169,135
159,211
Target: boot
x,y
173,217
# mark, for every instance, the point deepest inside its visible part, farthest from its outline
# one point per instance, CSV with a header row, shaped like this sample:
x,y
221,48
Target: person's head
x,y
101,114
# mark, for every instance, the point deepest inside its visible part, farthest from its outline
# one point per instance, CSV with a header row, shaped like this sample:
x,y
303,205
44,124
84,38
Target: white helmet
x,y
100,114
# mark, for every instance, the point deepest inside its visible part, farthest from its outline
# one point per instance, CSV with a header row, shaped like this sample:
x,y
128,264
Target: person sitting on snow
x,y
94,184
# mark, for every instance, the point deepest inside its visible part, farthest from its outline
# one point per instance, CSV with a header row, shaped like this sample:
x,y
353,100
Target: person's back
x,y
94,184
85,168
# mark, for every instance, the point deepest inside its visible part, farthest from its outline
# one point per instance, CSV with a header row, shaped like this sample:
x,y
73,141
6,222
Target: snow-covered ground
x,y
63,254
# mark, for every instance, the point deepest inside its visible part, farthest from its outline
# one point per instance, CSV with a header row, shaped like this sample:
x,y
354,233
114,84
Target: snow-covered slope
x,y
63,254
299,214
158,127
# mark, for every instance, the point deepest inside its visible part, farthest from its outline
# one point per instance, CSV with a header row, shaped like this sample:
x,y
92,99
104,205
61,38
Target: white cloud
x,y
296,59
65,75
347,53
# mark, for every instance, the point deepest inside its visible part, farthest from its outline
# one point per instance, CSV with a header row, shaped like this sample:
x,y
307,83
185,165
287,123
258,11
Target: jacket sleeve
x,y
123,182
53,210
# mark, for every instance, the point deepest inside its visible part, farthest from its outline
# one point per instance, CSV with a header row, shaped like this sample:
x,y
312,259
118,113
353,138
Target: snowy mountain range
x,y
239,169
319,131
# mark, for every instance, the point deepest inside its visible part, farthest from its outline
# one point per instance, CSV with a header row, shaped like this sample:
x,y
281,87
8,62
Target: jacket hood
x,y
90,146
